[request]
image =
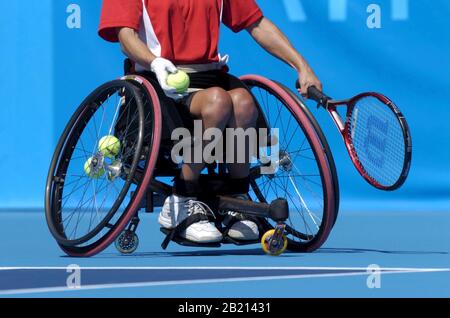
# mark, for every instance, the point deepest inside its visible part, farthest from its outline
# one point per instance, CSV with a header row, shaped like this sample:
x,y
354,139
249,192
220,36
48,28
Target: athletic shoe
x,y
177,208
244,229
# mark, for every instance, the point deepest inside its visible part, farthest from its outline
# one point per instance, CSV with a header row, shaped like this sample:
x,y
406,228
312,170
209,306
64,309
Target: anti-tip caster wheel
x,y
127,242
273,243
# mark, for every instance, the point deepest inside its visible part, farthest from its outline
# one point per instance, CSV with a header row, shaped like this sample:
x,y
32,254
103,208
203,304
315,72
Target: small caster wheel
x,y
273,244
127,242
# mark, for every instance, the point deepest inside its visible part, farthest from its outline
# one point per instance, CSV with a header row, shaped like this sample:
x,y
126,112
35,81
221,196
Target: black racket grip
x,y
316,95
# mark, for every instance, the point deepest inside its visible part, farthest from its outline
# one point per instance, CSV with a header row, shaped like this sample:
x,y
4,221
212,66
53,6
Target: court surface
x,y
411,250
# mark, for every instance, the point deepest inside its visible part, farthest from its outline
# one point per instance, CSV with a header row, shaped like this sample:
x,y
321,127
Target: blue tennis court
x,y
411,250
384,244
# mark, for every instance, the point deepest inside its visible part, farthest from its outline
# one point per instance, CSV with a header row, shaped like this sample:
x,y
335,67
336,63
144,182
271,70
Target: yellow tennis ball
x,y
91,174
109,146
179,80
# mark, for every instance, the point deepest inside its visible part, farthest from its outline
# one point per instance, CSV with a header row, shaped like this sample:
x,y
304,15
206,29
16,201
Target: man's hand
x,y
138,51
162,67
307,79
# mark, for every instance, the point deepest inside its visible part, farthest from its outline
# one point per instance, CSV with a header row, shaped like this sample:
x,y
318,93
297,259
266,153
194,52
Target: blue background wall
x,y
48,68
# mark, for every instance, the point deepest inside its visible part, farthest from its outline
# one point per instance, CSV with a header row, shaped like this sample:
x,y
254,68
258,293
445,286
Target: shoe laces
x,y
198,207
234,213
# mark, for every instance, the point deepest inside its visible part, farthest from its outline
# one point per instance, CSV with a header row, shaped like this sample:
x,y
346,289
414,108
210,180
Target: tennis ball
x,y
180,81
89,173
109,146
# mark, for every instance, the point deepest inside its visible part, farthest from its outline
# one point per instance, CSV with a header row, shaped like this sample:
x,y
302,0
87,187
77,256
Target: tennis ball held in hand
x,y
180,81
109,146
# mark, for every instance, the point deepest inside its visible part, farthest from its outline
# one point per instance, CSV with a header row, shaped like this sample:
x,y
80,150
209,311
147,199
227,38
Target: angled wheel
x,y
302,170
323,140
127,242
273,246
92,187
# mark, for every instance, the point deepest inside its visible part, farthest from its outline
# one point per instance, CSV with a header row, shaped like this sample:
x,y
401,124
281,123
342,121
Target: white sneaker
x,y
177,208
243,230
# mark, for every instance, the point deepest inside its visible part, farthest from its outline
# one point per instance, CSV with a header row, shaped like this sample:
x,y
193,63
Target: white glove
x,y
162,67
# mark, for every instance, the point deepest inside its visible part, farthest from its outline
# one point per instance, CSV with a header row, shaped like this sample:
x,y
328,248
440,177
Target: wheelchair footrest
x,y
229,240
185,242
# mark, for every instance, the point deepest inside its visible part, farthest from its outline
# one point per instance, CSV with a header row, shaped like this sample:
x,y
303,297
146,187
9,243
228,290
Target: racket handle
x,y
316,95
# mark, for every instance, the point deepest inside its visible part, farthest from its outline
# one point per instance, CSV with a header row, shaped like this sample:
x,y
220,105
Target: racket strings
x,y
378,140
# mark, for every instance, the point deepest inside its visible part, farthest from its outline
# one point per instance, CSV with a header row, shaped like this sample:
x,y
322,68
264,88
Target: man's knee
x,y
218,104
244,107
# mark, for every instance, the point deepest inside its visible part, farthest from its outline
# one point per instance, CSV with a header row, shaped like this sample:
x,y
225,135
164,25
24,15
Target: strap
x,y
229,225
182,227
234,219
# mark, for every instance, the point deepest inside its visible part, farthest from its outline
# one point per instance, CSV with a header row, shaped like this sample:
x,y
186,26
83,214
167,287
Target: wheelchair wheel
x,y
303,169
92,187
326,147
271,246
127,242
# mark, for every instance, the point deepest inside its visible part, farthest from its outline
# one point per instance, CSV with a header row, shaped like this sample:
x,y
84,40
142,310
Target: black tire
x,y
323,139
127,242
319,214
130,99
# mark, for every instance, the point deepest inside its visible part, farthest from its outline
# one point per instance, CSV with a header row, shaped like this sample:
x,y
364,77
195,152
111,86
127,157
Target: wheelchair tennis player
x,y
162,37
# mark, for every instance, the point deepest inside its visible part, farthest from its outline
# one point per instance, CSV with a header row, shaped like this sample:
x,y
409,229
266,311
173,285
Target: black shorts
x,y
204,80
176,113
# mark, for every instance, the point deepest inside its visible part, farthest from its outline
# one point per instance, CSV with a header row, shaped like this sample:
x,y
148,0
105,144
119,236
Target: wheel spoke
x,y
299,175
87,204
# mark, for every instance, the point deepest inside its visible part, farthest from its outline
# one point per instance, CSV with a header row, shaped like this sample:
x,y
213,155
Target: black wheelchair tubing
x,y
325,144
297,246
52,210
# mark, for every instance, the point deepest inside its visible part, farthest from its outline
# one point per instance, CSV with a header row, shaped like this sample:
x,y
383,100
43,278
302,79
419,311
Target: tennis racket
x,y
376,135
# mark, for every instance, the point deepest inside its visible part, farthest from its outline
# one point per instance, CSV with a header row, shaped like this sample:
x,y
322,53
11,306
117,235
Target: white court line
x,y
191,282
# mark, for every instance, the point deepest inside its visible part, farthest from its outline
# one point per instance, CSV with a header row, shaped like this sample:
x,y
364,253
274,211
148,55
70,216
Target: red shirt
x,y
182,31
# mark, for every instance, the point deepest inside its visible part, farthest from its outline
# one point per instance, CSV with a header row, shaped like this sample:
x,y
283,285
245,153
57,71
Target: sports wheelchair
x,y
93,199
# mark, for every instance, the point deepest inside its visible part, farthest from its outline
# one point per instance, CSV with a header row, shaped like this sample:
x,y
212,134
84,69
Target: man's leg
x,y
245,115
214,106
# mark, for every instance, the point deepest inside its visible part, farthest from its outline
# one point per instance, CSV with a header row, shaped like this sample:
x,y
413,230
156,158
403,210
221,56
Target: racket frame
x,y
344,127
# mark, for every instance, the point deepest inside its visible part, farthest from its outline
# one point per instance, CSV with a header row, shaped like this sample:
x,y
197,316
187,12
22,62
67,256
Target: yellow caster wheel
x,y
274,244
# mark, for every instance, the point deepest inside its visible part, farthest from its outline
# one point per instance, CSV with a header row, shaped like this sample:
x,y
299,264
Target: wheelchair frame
x,y
274,241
